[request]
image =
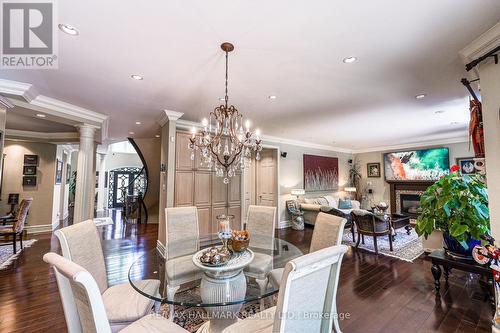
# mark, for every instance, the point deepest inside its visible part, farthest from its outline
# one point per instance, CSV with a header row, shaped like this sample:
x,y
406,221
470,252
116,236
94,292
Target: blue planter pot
x,y
455,248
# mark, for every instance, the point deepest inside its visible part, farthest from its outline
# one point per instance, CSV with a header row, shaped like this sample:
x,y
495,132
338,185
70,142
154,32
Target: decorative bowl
x,y
239,241
214,257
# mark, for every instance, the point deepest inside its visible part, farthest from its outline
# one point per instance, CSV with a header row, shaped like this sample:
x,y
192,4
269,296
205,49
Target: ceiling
x,y
23,119
291,49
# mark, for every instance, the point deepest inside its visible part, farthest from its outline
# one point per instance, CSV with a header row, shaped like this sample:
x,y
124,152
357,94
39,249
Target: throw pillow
x,y
345,204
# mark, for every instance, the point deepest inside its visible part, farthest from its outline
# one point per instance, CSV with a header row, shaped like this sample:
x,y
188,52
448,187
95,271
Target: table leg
x,y
446,273
436,272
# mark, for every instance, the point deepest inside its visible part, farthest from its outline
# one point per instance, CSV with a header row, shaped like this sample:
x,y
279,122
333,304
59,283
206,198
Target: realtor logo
x,y
29,39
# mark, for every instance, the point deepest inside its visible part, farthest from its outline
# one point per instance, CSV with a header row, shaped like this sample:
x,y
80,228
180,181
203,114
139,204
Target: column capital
x,y
169,115
86,130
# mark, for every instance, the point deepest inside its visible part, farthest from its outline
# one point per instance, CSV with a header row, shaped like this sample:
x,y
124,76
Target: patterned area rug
x,y
7,252
191,318
406,247
100,221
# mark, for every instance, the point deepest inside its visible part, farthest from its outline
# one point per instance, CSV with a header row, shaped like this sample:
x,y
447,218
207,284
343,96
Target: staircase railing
x,y
134,185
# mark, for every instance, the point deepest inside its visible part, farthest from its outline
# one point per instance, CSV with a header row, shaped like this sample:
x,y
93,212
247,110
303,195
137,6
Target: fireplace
x,y
405,197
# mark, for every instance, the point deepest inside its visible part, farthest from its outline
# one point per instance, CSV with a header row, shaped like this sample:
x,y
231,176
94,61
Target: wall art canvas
x,y
59,171
417,165
466,165
321,173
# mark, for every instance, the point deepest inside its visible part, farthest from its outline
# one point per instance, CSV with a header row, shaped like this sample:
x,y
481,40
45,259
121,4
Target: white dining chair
x,y
261,224
81,244
307,298
91,310
328,231
182,241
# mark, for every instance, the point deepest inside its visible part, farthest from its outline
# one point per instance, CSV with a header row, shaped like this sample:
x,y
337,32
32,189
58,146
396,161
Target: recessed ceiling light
x,y
40,115
272,97
131,133
136,77
157,135
138,123
222,99
420,96
439,111
349,60
68,29
454,123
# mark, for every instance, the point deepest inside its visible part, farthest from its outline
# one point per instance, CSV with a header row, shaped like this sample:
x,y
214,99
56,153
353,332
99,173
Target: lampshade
x,y
349,189
298,191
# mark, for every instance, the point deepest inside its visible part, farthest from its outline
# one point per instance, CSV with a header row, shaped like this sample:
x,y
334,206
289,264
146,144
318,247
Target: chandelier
x,y
224,145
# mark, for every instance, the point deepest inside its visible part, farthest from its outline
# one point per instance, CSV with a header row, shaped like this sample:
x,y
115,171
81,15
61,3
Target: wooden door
x,y
219,191
248,188
266,178
184,187
205,221
202,188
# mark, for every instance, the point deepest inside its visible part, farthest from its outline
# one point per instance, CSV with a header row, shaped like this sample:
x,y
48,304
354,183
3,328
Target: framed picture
x,y
105,179
417,165
466,165
68,173
29,180
29,170
59,170
31,160
373,169
321,173
96,179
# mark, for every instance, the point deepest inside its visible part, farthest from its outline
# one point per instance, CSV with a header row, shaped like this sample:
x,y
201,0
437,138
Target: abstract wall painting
x,y
321,173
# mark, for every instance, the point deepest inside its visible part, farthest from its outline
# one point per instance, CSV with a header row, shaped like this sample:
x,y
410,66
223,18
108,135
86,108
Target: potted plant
x,y
457,205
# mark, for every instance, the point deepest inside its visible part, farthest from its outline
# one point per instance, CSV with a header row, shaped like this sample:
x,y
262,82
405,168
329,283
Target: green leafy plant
x,y
456,204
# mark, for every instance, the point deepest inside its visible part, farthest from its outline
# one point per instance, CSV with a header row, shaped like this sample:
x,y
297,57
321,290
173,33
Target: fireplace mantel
x,y
406,186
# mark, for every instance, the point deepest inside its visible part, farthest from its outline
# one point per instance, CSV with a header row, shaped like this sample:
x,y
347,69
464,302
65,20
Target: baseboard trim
x,y
38,229
284,224
161,248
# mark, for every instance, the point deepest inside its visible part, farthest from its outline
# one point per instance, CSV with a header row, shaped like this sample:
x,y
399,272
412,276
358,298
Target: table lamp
x,y
350,190
298,192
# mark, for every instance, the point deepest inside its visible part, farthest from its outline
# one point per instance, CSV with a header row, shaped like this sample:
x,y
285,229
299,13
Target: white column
x,y
85,175
101,190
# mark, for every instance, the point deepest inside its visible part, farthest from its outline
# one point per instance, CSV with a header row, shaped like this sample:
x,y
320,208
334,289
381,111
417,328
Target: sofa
x,y
326,204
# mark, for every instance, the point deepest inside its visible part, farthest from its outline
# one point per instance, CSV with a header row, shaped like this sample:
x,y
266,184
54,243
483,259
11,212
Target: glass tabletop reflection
x,y
183,283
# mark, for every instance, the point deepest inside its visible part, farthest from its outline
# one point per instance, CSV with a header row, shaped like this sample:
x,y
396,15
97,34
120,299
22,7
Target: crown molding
x,y
416,144
481,45
169,115
25,90
6,103
41,136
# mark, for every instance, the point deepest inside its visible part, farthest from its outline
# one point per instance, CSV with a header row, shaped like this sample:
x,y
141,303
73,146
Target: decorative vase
x,y
298,223
455,249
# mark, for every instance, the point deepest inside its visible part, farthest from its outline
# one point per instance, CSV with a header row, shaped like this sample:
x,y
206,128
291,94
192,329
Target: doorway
x,y
119,185
261,181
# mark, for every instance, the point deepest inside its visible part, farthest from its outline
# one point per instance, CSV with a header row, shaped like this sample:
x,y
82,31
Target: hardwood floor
x,y
380,294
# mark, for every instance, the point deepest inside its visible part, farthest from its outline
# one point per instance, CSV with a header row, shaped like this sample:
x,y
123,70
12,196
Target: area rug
x,y
100,221
191,318
405,247
7,252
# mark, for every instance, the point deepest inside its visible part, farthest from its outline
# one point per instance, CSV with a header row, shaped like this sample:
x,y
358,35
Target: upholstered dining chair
x,y
84,291
261,224
17,227
81,244
328,231
182,241
368,224
307,298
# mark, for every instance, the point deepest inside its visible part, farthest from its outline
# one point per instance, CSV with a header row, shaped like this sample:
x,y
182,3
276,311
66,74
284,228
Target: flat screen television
x,y
414,165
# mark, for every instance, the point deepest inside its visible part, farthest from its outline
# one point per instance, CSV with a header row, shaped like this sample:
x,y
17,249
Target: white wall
x,y
381,189
490,94
291,173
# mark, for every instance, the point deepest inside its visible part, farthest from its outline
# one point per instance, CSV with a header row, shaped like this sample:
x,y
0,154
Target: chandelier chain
x,y
226,98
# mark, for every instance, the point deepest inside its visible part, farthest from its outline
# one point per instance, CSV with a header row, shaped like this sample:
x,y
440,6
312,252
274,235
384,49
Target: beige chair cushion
x,y
152,324
181,269
261,322
124,304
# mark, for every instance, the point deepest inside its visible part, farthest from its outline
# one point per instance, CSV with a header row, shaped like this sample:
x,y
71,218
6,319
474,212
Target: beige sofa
x,y
312,206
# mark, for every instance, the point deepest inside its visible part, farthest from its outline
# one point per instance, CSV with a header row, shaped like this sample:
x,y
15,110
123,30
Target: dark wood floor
x,y
380,294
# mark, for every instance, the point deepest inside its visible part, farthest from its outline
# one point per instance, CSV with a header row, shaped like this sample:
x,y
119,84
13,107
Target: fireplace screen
x,y
410,204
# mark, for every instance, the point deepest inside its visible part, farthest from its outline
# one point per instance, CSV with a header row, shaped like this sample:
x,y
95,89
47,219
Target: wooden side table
x,y
439,258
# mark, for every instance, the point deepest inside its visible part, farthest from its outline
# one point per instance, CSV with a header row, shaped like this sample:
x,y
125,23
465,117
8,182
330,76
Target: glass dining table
x,y
222,290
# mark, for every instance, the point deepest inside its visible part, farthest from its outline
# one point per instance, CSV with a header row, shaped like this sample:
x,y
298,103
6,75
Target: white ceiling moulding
x,y
42,136
52,106
481,45
167,115
422,143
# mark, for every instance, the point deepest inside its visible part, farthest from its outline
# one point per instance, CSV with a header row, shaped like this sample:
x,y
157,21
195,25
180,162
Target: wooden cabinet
x,y
184,188
183,159
195,185
202,185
